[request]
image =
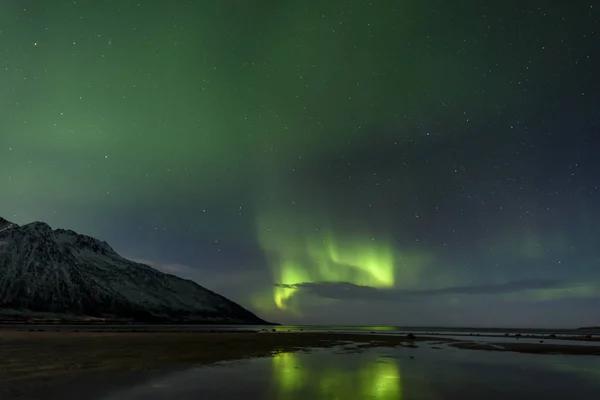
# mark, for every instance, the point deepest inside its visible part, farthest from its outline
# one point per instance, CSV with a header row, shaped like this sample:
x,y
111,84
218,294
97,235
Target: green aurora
x,y
298,254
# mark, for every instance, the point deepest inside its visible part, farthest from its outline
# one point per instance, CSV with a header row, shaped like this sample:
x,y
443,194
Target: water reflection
x,y
381,380
287,373
377,378
385,373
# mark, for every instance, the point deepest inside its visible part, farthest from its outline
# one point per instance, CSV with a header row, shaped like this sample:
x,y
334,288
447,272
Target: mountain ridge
x,y
62,275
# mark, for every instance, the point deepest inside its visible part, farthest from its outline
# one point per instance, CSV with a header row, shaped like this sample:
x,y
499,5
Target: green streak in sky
x,y
298,254
329,261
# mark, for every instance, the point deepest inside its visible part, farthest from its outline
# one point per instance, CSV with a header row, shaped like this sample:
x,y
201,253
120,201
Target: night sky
x,y
334,162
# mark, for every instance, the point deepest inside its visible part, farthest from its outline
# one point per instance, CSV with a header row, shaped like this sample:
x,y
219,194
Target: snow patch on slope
x,y
59,271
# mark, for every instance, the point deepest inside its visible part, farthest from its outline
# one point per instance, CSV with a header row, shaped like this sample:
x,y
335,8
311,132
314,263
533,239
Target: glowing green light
x,y
325,260
381,380
289,272
287,372
300,254
376,379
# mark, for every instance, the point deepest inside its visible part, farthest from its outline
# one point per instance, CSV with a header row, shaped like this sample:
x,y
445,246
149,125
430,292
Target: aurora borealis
x,y
338,162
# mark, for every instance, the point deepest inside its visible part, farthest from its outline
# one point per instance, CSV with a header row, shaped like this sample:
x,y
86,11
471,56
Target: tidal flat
x,y
52,364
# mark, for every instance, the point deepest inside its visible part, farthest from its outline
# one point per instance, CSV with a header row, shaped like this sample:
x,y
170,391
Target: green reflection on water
x,y
376,378
288,374
382,380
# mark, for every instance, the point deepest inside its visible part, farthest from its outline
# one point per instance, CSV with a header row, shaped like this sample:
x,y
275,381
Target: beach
x,y
46,358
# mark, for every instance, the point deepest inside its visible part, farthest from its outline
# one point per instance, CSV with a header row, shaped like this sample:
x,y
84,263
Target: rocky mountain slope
x,y
64,274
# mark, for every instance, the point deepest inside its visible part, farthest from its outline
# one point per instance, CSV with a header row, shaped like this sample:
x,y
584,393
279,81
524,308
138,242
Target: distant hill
x,y
61,275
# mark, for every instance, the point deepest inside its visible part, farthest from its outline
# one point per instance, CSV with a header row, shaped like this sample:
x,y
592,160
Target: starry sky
x,y
320,162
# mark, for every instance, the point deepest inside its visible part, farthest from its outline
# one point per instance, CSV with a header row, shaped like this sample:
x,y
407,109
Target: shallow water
x,y
398,373
501,339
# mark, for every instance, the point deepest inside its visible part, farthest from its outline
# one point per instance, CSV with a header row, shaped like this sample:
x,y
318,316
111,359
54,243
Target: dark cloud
x,y
344,290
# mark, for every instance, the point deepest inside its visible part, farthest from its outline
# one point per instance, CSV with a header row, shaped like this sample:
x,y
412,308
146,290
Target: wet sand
x,y
49,354
27,355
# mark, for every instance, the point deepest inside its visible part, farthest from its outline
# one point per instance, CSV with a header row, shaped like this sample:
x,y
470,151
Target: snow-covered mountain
x,y
59,272
4,224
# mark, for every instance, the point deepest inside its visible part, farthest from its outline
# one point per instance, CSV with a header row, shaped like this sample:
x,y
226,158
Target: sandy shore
x,y
50,354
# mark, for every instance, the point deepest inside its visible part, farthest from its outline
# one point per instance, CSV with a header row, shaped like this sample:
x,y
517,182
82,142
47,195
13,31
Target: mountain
x,y
4,224
67,276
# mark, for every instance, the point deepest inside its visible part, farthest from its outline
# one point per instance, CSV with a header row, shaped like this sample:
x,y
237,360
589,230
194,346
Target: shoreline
x,y
68,327
566,337
48,354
